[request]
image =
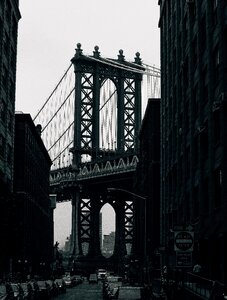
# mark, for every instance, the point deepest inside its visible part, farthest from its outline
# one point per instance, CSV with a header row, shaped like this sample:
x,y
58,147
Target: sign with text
x,y
183,241
183,259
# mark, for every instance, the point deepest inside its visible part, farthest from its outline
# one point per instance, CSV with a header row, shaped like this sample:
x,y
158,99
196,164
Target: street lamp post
x,y
126,191
145,223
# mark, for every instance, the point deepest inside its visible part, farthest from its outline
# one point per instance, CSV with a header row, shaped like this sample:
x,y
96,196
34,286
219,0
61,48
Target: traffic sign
x,y
183,241
183,259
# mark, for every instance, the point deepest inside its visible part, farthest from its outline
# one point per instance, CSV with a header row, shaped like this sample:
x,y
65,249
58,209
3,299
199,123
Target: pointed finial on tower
x,y
96,53
138,59
121,57
79,51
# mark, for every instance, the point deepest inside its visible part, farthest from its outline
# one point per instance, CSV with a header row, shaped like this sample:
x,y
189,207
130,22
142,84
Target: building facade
x,y
33,224
9,17
147,184
194,128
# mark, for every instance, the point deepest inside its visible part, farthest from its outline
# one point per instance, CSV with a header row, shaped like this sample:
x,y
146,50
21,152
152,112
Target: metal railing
x,y
203,287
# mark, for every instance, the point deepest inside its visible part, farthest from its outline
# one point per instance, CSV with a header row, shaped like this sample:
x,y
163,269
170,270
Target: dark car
x,y
78,279
28,291
44,289
93,278
60,284
18,292
35,289
3,292
53,290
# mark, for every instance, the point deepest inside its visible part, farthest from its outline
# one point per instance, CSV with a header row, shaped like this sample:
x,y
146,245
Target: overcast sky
x,y
48,33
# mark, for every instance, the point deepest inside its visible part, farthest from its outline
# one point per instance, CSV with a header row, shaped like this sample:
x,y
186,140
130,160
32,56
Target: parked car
x,y
101,273
68,281
44,289
28,291
3,292
93,278
60,284
35,289
79,279
18,292
52,287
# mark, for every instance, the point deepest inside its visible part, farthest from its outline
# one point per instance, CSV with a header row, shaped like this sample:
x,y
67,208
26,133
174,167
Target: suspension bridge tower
x,y
90,129
107,118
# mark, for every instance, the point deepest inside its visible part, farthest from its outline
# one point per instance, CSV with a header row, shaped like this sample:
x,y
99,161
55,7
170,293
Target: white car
x,y
102,274
68,281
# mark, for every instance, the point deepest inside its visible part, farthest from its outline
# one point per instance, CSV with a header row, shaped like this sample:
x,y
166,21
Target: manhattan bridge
x,y
90,127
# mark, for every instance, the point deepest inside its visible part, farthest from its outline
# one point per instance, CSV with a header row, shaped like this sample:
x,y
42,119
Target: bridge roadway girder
x,y
88,197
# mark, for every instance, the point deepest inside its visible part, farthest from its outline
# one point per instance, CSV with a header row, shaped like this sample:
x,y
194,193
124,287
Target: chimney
x,y
39,129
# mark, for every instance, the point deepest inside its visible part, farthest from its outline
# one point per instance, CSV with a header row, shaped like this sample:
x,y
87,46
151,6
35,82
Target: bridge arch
x,y
108,110
108,229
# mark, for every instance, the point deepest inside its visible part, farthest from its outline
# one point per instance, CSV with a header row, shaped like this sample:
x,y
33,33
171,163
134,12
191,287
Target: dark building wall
x,y
34,222
193,127
148,184
9,17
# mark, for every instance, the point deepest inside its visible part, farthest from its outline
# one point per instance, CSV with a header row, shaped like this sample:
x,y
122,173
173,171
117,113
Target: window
x,y
217,187
185,29
14,28
215,4
196,151
193,10
10,122
4,77
8,12
13,58
2,111
204,86
6,44
187,116
216,127
186,73
9,155
1,28
194,53
215,16
196,202
2,146
195,103
203,34
204,145
205,190
12,91
216,62
187,162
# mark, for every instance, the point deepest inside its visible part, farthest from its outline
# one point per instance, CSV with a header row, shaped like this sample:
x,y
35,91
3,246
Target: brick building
x,y
194,128
147,184
33,224
9,17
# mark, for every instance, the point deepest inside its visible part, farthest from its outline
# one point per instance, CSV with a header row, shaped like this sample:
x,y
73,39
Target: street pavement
x,y
84,291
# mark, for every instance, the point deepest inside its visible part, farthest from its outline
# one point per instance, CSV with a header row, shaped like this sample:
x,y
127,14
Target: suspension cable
x,y
62,151
58,109
60,136
52,92
104,104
